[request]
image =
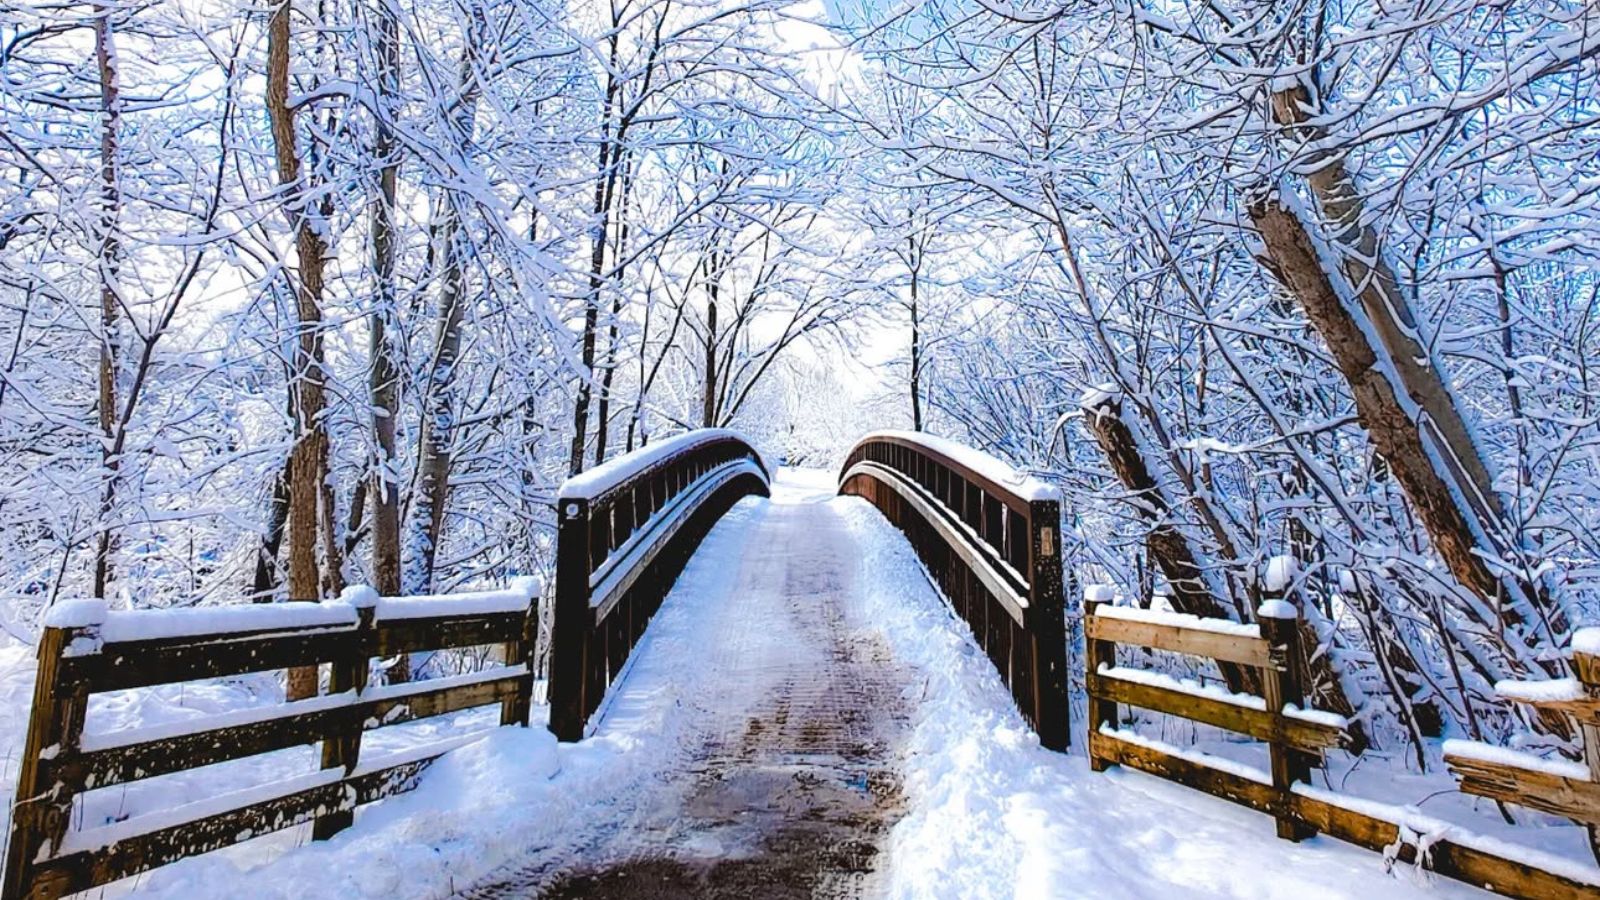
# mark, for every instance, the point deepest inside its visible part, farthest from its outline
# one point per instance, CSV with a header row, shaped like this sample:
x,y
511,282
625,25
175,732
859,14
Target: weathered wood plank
x,y
1574,798
131,762
1256,723
1232,648
145,663
1216,782
85,869
1445,856
447,632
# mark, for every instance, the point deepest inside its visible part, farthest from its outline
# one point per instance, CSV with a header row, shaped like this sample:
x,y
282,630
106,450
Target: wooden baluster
x,y
1097,653
342,747
1282,685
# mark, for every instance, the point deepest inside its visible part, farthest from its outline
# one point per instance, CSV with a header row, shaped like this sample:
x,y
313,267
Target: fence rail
x,y
1295,739
85,650
990,538
1567,789
626,530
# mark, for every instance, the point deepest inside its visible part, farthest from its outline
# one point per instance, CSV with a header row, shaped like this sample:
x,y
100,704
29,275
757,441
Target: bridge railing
x,y
991,539
86,650
626,530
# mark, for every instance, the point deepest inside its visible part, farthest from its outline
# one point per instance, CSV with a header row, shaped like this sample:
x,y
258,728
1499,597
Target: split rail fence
x,y
86,651
1556,787
1296,737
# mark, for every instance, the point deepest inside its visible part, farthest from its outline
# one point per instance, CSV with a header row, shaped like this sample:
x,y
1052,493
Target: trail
x,y
787,758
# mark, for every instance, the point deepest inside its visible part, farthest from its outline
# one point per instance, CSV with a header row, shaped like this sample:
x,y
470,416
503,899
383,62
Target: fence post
x,y
1280,625
514,709
569,632
1046,620
342,749
1587,668
1096,653
40,815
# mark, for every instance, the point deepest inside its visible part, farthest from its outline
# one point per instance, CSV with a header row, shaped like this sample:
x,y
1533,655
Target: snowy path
x,y
803,718
786,753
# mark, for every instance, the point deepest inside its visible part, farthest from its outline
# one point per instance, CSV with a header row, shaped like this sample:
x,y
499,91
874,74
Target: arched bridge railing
x,y
991,539
626,530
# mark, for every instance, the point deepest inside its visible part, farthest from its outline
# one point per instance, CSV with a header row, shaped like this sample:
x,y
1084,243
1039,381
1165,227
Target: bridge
x,y
797,675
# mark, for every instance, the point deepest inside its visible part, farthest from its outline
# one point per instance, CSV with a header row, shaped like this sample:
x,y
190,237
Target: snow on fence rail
x,y
1295,738
989,536
1557,787
626,529
86,650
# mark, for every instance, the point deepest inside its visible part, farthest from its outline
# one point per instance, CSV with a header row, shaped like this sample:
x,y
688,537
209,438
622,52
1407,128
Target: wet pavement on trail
x,y
783,782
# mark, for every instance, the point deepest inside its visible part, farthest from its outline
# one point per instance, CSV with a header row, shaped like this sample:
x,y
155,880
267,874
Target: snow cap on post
x,y
1277,609
83,613
360,596
527,586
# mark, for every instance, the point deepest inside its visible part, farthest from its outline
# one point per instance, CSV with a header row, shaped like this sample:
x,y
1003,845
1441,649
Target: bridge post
x,y
569,630
1046,619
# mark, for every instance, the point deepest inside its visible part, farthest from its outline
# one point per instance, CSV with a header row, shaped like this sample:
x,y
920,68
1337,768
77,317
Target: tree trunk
x,y
708,396
916,347
1407,441
308,458
1167,544
439,419
109,262
1442,470
383,379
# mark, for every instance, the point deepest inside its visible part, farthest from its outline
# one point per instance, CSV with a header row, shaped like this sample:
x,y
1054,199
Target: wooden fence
x,y
1560,788
1294,737
626,531
86,651
990,538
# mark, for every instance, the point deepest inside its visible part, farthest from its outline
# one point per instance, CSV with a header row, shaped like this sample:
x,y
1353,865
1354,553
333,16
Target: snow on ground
x,y
989,813
994,815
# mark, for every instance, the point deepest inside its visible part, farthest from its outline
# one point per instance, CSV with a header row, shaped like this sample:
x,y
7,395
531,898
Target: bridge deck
x,y
786,760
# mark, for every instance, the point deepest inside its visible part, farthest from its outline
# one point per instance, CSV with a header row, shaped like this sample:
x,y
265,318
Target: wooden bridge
x,y
795,752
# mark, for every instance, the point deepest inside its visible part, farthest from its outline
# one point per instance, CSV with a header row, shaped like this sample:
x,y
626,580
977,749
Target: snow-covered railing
x,y
1554,786
626,530
989,536
1296,736
86,649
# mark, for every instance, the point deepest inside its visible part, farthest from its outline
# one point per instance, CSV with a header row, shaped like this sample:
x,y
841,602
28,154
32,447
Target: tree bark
x,y
1166,543
109,262
383,378
1404,439
308,458
1440,458
439,420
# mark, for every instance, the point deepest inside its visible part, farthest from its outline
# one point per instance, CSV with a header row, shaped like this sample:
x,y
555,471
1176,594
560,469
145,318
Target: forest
x,y
318,293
